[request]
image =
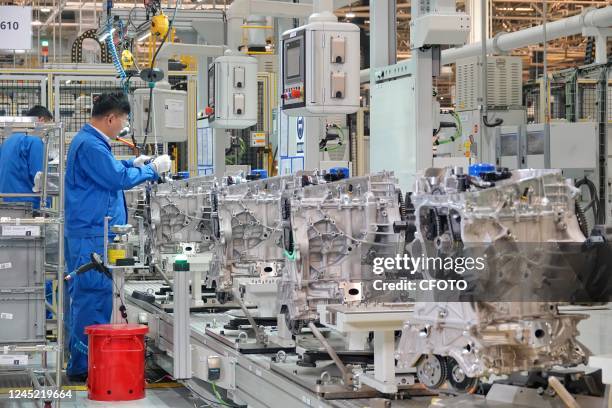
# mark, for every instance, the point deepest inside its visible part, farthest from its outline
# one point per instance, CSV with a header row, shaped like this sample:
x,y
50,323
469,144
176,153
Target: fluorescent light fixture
x,y
144,36
68,82
19,51
523,9
45,10
36,23
350,14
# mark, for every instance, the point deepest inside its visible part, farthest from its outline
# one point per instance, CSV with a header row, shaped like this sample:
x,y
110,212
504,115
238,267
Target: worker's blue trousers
x,y
91,300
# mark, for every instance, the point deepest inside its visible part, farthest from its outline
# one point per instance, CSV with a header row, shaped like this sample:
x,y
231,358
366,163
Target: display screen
x,y
292,61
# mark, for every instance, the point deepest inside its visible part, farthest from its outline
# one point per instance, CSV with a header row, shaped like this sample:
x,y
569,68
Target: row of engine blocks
x,y
318,239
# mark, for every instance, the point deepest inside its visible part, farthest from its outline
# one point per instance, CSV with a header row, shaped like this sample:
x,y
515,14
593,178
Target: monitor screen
x,y
292,61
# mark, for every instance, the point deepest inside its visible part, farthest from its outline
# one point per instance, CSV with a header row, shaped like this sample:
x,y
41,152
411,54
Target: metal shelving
x,y
22,244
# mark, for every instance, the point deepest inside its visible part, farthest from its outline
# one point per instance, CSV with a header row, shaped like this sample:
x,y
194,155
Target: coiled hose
x,y
115,57
594,204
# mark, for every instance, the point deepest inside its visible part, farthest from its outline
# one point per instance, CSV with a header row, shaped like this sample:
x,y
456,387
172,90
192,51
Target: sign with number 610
x,y
15,28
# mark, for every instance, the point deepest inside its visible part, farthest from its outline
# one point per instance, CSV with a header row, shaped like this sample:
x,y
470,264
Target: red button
x,y
295,93
208,110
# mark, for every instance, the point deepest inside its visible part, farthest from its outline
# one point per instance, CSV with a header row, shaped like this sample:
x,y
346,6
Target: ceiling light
x,y
19,51
45,10
36,23
523,9
350,14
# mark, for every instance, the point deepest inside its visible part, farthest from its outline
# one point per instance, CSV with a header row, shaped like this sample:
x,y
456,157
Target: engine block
x,y
513,221
332,232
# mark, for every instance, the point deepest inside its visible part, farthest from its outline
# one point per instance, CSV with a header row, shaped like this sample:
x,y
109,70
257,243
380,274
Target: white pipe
x,y
509,41
504,42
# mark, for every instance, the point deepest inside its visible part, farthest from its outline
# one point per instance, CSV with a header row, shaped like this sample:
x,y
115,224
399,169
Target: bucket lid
x,y
117,329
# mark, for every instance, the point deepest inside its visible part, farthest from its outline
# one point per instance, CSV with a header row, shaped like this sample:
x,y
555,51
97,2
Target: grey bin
x,y
22,290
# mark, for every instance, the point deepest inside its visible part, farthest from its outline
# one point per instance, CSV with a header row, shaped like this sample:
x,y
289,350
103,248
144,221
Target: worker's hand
x,y
162,164
141,160
37,182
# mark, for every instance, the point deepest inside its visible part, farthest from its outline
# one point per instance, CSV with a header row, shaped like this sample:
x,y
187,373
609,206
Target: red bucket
x,y
116,362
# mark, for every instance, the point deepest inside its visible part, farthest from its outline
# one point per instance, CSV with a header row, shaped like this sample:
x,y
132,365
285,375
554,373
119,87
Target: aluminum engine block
x,y
332,233
489,337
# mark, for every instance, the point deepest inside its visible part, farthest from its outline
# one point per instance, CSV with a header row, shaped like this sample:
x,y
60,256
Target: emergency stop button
x,y
295,93
209,111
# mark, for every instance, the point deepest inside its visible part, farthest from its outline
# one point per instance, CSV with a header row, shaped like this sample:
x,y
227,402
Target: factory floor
x,y
161,391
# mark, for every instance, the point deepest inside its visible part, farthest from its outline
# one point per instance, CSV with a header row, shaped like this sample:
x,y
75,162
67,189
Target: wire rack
x,y
17,96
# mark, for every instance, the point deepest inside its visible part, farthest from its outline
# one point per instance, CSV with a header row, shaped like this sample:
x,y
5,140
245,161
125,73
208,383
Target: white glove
x,y
37,182
141,160
161,164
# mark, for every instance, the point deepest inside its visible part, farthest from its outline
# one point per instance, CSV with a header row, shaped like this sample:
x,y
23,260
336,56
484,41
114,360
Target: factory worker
x,y
94,183
21,157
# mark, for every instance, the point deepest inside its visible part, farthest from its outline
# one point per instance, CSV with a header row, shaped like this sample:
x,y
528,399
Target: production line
x,y
266,222
269,294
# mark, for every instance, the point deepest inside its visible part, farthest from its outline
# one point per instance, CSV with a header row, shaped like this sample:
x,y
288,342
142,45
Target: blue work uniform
x,y
94,184
21,158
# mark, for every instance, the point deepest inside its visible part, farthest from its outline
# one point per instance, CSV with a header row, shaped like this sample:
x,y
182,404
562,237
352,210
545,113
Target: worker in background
x,y
94,184
21,157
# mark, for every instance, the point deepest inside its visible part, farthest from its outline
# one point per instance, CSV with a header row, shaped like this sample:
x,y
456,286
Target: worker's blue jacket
x,y
21,158
95,181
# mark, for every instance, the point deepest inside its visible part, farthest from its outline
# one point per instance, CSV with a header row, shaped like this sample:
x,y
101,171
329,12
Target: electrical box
x,y
438,22
232,92
505,82
168,117
320,69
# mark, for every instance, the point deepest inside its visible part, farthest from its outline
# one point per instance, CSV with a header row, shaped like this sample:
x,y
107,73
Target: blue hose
x,y
116,61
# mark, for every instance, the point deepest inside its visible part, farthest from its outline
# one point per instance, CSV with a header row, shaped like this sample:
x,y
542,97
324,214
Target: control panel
x,y
232,92
320,69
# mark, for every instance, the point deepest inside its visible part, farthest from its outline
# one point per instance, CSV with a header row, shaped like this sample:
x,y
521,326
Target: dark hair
x,y
107,103
39,111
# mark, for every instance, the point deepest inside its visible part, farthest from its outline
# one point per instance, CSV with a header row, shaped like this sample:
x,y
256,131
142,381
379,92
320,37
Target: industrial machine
x,y
331,234
521,228
248,252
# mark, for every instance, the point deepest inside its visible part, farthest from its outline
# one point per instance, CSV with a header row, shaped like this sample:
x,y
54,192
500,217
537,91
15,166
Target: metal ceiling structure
x,y
66,19
504,16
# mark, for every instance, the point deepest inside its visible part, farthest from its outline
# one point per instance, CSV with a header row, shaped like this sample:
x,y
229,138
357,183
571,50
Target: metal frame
x,y
73,75
46,129
598,75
